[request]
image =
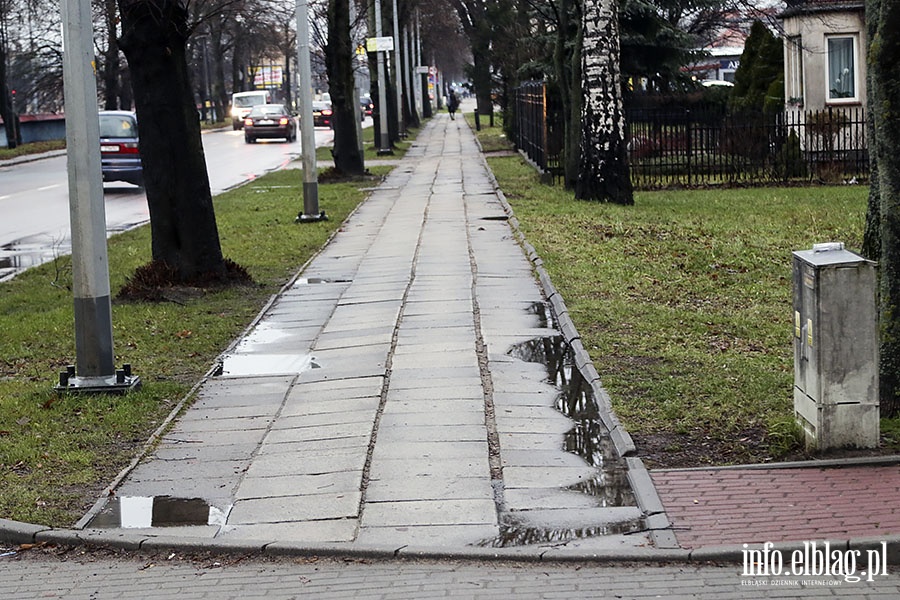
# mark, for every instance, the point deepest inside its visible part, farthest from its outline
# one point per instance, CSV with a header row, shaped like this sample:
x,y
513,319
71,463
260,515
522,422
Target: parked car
x,y
269,121
120,158
323,115
366,105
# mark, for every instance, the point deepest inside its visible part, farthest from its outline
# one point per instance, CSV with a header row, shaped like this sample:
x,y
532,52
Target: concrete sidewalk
x,y
376,404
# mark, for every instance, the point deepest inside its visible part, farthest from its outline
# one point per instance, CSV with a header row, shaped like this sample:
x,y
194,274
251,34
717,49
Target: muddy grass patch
x,y
159,282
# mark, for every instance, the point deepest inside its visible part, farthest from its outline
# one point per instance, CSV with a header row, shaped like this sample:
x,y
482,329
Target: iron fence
x,y
705,146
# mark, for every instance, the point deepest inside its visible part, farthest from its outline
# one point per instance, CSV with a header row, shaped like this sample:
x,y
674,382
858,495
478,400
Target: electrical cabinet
x,y
835,348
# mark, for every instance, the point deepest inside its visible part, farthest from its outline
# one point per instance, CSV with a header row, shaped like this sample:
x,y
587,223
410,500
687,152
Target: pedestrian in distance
x,y
452,104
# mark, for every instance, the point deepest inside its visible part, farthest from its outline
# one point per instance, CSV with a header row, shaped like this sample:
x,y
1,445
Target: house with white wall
x,y
824,53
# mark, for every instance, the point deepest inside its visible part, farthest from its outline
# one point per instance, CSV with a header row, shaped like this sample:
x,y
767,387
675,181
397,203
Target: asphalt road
x,y
34,209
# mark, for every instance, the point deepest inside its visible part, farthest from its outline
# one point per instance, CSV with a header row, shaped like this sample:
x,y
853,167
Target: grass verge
x,y
57,452
684,303
31,148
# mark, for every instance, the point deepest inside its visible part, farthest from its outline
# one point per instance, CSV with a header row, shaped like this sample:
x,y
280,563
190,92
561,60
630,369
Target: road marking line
x,y
48,187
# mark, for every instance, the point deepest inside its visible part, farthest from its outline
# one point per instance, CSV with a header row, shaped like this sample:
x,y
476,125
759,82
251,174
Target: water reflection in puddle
x,y
142,512
589,439
314,280
20,255
243,365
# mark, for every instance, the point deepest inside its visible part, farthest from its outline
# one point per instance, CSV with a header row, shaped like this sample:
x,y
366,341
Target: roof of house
x,y
800,7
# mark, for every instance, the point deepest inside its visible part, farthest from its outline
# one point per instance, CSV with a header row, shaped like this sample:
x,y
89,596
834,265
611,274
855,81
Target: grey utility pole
x,y
94,369
384,141
307,128
398,71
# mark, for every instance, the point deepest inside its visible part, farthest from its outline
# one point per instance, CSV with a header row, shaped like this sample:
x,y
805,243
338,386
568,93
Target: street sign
x,y
380,44
422,70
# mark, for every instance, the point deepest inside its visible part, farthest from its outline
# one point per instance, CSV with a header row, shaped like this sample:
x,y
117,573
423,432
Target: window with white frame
x,y
842,71
794,81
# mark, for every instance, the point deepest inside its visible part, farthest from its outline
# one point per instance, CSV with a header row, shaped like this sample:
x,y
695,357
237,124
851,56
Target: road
x,y
34,227
111,575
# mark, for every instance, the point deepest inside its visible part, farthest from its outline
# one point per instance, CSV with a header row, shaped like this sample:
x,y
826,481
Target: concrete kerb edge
x,y
188,397
23,533
650,504
27,158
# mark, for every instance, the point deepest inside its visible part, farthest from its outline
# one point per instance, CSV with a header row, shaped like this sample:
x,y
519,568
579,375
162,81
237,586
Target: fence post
x,y
544,126
690,146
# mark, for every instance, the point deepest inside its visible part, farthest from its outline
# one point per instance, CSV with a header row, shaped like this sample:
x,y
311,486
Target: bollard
x,y
477,121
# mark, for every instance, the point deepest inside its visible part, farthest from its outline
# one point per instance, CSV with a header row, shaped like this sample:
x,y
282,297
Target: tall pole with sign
x,y
307,129
384,141
94,369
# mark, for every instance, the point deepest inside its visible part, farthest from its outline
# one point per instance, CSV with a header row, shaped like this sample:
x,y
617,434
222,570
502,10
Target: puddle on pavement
x,y
314,280
24,253
236,365
142,512
589,439
18,256
513,533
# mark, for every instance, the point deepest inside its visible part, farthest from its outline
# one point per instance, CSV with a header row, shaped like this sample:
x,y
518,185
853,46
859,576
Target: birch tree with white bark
x,y
603,165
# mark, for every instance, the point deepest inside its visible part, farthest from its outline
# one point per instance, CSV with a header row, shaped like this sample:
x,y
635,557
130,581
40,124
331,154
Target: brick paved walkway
x,y
734,506
76,576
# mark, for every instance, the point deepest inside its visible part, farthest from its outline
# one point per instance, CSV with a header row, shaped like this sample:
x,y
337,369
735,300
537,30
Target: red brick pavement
x,y
709,507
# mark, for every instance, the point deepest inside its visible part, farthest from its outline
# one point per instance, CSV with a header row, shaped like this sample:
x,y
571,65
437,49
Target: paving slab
x,y
430,512
285,509
299,485
281,464
310,532
429,536
447,486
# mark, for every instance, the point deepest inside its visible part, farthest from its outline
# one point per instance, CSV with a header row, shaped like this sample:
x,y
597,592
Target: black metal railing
x,y
672,146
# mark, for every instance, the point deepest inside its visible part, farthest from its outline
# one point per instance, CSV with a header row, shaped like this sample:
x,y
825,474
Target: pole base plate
x,y
303,218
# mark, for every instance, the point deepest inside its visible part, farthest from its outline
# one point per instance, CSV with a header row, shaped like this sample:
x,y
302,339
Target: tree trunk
x,y
476,24
217,66
883,17
111,58
339,53
567,63
481,71
603,173
183,223
6,106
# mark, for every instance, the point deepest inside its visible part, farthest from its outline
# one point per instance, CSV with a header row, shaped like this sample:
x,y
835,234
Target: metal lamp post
x,y
310,212
94,369
398,84
384,141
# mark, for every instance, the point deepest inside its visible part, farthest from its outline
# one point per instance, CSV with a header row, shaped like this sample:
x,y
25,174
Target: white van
x,y
242,102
